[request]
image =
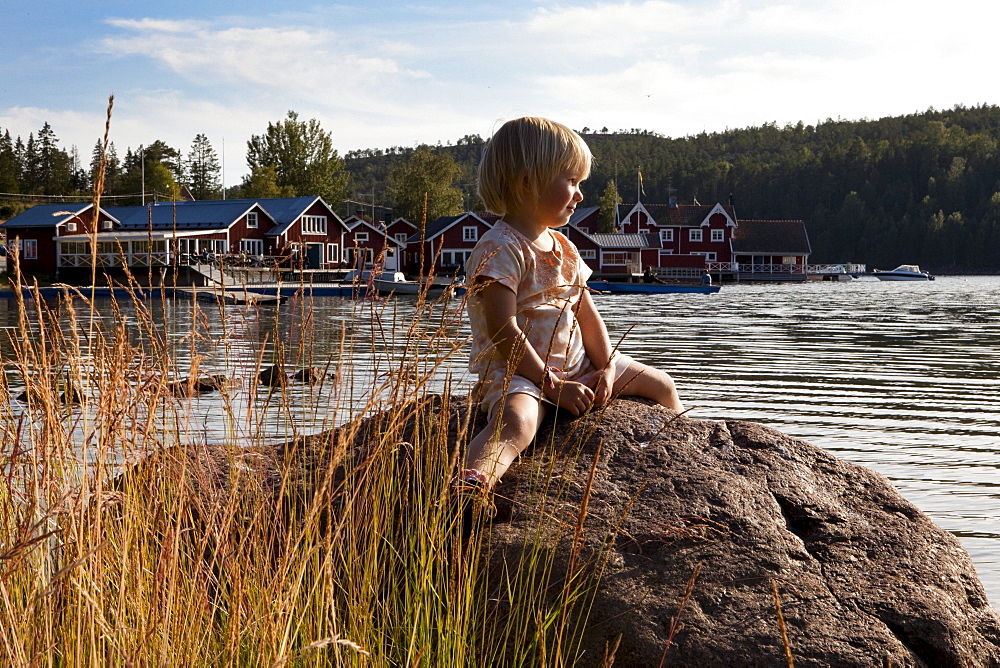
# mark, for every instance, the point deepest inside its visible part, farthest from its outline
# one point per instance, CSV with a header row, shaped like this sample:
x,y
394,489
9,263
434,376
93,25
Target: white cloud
x,y
672,67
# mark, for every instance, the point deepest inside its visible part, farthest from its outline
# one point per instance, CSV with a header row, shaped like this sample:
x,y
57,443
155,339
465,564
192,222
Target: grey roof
x,y
580,214
618,240
786,237
47,215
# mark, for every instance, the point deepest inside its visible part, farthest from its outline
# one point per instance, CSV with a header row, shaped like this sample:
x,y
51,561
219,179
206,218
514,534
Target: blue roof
x,y
205,215
208,215
45,215
285,210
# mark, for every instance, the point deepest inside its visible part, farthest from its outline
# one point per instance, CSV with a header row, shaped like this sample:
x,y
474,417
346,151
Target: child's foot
x,y
471,502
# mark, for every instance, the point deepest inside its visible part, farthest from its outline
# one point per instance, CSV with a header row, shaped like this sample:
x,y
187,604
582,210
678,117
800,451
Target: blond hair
x,y
525,156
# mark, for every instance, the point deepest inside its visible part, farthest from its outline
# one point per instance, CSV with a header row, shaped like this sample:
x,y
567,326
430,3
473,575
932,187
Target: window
x,y
361,237
401,237
333,253
718,235
470,234
694,235
252,219
454,257
589,254
29,249
614,258
669,251
788,259
314,225
710,257
666,235
252,247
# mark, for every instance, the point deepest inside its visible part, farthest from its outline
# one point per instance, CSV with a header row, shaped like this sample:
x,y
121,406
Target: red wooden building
x,y
57,238
446,244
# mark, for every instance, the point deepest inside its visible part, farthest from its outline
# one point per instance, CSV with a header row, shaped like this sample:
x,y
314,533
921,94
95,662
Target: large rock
x,y
695,524
865,578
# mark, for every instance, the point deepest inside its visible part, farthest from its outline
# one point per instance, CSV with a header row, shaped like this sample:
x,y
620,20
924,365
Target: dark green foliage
x,y
922,188
203,170
426,176
302,156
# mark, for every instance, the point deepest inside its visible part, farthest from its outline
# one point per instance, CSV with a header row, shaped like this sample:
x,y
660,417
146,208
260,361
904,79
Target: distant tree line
x,y
39,170
922,188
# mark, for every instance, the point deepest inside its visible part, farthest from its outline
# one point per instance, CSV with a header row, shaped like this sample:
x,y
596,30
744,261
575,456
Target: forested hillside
x,y
921,188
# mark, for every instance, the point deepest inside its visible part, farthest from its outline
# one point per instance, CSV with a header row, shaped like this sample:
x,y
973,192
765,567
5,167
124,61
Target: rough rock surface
x,y
864,578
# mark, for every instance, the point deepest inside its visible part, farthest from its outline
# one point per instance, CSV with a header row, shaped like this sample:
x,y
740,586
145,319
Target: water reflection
x,y
899,377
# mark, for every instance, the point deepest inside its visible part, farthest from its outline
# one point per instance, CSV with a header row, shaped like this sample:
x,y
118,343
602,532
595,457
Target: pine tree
x,y
609,202
9,169
203,171
55,166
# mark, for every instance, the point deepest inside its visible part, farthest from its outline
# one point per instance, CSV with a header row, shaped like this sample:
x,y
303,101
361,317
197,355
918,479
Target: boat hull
x,y
901,277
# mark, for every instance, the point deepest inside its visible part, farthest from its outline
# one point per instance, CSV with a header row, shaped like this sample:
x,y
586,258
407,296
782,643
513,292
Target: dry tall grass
x,y
121,545
350,558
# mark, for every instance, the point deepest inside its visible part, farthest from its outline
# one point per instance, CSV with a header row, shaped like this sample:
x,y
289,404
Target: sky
x,y
377,73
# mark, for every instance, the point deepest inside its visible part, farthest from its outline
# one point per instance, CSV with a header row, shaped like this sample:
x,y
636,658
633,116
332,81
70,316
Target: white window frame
x,y
588,254
694,234
470,233
718,235
333,253
29,249
401,237
667,251
667,235
252,247
608,257
454,257
314,225
252,219
361,237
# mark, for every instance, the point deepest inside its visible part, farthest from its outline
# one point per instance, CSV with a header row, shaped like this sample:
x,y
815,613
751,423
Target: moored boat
x,y
904,272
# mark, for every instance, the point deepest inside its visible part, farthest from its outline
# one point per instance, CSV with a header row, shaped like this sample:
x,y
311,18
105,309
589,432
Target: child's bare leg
x,y
518,421
650,383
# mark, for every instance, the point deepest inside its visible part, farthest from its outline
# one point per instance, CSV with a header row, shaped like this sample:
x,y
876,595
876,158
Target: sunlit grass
x,y
125,540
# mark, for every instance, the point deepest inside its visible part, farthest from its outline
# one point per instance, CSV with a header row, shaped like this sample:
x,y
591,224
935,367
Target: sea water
x,y
901,377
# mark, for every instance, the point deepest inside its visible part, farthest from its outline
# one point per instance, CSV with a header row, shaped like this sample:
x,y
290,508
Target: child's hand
x,y
603,383
570,395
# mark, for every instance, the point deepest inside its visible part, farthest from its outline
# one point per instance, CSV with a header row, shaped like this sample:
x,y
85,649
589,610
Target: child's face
x,y
558,200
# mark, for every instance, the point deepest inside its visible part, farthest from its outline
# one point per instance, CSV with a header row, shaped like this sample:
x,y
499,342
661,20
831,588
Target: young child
x,y
538,340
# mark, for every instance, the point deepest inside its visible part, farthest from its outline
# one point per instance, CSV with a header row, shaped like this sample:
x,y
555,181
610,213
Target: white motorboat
x,y
904,272
392,282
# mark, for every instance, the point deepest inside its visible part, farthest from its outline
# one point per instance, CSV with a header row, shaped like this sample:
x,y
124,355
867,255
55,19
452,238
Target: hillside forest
x,y
922,188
